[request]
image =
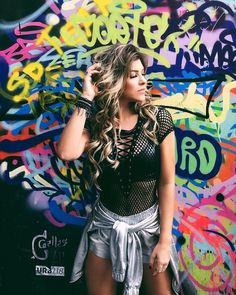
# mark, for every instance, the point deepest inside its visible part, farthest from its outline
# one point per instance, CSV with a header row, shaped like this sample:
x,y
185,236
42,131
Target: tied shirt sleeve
x,y
165,123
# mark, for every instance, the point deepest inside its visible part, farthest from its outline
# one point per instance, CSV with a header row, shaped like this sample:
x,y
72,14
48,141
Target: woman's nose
x,y
142,79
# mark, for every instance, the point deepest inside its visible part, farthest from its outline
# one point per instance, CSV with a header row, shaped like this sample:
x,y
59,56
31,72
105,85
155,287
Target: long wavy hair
x,y
115,64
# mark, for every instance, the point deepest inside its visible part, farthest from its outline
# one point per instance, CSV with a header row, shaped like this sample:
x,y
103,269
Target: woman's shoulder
x,y
162,115
162,112
165,123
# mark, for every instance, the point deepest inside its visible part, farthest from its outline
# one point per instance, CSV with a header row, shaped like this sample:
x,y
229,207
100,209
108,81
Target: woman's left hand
x,y
160,258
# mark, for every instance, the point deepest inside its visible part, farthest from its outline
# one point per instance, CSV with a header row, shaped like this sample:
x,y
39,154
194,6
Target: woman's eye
x,y
136,75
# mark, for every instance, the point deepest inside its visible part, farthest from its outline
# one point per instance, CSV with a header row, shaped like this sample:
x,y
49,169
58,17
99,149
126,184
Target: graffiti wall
x,y
45,48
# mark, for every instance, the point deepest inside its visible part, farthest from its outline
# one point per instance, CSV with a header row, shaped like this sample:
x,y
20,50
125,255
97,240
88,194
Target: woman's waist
x,y
122,212
110,176
133,218
124,200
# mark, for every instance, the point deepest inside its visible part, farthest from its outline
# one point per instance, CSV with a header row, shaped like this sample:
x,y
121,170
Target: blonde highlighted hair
x,y
115,64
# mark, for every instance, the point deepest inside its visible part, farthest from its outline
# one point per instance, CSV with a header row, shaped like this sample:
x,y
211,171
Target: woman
x,y
130,146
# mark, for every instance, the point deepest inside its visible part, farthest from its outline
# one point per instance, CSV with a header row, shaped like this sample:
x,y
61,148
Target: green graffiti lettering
x,y
123,7
188,147
172,39
115,27
101,29
119,29
207,155
153,39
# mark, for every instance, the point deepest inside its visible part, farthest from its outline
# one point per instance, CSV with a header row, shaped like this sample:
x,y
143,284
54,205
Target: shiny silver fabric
x,y
126,236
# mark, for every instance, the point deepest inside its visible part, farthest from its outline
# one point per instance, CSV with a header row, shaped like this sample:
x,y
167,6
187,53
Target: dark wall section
x,y
29,244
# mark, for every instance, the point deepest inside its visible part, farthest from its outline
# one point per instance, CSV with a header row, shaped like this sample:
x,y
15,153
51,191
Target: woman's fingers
x,y
157,266
90,90
93,69
91,72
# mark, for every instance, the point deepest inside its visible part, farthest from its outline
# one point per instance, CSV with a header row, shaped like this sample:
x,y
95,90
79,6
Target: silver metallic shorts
x,y
138,234
99,239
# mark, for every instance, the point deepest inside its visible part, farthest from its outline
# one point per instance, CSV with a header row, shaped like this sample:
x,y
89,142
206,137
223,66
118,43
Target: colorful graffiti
x,y
191,49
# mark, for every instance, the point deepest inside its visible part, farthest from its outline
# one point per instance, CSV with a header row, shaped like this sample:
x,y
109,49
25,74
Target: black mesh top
x,y
131,188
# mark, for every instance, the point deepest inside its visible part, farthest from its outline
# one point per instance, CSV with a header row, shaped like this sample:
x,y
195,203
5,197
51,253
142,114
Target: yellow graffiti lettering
x,y
69,34
73,34
192,101
18,82
53,41
226,103
31,75
87,25
193,41
196,103
102,6
34,70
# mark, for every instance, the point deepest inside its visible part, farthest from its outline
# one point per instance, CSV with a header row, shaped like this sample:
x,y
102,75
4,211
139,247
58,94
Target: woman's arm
x,y
166,194
74,137
166,188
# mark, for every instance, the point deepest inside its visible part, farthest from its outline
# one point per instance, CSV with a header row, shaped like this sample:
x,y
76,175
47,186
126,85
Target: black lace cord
x,y
123,152
125,183
139,169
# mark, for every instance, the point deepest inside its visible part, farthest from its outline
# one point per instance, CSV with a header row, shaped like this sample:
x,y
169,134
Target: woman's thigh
x,y
160,284
98,272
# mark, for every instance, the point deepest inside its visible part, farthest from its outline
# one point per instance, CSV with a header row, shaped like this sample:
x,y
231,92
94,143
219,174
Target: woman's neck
x,y
128,117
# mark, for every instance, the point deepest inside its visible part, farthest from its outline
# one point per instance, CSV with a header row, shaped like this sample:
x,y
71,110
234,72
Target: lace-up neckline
x,y
132,186
125,141
124,151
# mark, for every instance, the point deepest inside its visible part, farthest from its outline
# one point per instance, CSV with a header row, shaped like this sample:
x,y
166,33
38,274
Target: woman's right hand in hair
x,y
89,89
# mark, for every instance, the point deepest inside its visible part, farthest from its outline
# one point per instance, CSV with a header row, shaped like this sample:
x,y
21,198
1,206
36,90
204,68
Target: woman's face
x,y
135,84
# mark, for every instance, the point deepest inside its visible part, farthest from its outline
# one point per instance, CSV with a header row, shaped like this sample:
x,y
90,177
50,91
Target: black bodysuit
x,y
131,188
